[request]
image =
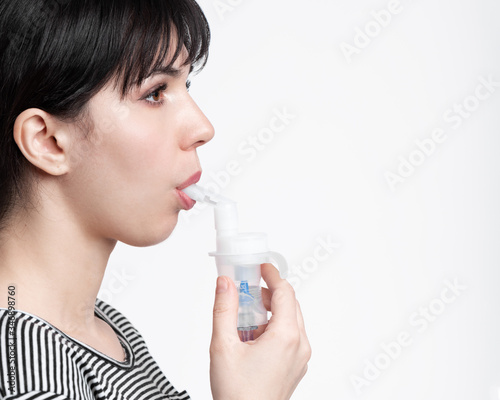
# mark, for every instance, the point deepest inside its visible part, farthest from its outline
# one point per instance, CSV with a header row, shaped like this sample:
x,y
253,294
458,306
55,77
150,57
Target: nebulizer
x,y
239,256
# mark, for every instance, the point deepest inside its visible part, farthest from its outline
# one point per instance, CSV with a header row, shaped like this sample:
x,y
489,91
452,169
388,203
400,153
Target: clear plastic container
x,y
239,256
244,270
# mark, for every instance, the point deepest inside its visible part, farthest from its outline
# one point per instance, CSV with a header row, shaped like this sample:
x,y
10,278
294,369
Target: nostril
x,y
198,144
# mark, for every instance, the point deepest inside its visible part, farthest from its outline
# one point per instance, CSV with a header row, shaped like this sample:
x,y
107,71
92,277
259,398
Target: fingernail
x,y
221,285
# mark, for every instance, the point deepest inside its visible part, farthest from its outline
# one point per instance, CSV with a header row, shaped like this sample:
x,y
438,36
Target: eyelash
x,y
158,91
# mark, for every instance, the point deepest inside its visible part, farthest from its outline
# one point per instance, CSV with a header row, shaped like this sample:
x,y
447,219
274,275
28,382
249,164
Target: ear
x,y
43,140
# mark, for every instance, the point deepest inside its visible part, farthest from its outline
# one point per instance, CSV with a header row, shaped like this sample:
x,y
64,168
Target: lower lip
x,y
187,202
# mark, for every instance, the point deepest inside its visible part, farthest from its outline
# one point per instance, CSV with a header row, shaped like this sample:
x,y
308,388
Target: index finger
x,y
283,302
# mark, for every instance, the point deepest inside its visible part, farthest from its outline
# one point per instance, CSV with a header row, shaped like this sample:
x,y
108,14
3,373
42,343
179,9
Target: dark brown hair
x,y
56,54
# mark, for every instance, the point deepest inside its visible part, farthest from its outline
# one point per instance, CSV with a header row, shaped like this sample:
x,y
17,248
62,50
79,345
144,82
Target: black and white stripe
x,y
51,365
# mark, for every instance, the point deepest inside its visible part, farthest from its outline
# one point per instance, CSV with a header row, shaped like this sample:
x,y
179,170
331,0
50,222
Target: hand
x,y
269,367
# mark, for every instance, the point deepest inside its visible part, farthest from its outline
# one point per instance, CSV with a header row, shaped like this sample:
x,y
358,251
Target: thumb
x,y
225,309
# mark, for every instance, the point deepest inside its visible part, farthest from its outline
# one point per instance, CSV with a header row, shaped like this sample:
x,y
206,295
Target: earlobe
x,y
42,140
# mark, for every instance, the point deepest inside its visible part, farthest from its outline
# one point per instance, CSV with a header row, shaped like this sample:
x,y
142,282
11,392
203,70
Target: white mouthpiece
x,y
249,248
199,193
226,212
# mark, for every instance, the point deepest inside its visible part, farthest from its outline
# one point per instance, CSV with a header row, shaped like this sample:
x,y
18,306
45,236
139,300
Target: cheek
x,y
131,137
139,154
127,184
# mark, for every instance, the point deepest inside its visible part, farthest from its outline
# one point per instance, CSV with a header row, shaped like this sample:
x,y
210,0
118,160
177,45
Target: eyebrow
x,y
169,70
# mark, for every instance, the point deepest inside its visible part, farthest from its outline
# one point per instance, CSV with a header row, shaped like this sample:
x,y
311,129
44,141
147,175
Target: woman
x,y
98,134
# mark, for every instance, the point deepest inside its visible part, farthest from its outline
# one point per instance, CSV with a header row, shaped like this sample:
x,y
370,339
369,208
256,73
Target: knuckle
x,y
216,348
304,370
279,296
283,293
291,340
307,352
220,309
222,347
286,285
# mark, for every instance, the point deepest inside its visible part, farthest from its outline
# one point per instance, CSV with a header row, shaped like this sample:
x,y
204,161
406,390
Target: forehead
x,y
111,92
167,55
164,61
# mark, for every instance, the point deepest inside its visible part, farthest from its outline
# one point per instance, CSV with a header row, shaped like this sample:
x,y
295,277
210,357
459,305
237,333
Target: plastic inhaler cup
x,y
239,256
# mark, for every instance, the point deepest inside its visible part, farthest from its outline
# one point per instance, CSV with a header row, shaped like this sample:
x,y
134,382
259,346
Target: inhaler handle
x,y
280,262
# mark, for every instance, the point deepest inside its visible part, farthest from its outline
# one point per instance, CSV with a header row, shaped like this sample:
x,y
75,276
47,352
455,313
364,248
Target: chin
x,y
151,237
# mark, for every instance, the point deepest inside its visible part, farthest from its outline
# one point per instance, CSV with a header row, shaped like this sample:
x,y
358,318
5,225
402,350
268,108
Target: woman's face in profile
x,y
141,148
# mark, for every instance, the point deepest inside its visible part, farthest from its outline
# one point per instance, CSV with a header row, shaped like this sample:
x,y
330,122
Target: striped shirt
x,y
38,361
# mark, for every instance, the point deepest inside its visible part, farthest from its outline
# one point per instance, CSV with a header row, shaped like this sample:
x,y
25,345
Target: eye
x,y
156,96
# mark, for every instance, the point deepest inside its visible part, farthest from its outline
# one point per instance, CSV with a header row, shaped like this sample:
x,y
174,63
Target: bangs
x,y
55,55
148,34
65,51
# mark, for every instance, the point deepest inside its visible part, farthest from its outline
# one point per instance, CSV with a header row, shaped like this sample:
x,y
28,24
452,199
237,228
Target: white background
x,y
324,176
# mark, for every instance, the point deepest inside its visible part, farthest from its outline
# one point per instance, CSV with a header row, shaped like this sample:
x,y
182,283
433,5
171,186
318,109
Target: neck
x,y
56,266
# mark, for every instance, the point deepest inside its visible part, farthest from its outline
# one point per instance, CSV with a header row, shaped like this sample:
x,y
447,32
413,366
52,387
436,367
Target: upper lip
x,y
191,181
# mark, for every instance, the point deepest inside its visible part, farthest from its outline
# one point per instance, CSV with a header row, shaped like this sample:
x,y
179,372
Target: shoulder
x,y
33,352
21,328
41,362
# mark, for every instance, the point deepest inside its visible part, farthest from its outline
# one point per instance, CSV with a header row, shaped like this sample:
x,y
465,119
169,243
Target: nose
x,y
198,129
